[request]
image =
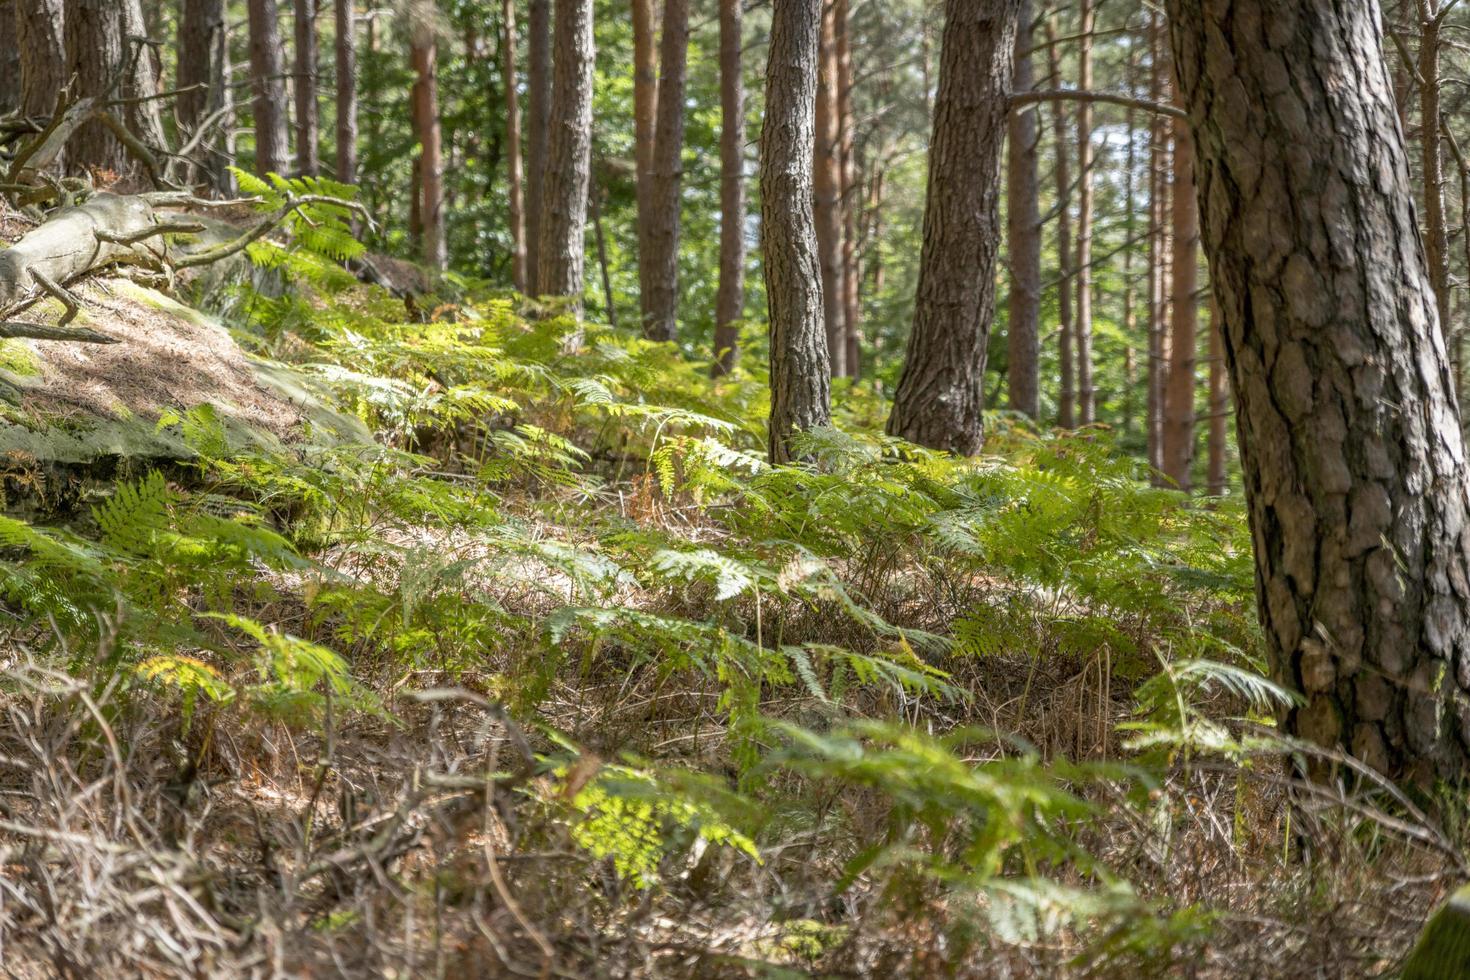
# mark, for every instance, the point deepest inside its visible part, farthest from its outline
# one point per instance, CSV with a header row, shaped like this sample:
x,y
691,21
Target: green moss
x,y
17,358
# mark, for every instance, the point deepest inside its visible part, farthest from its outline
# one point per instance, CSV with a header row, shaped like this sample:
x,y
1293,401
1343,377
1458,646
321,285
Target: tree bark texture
x,y
940,397
568,154
203,84
1219,408
1062,171
645,124
108,66
308,125
9,58
346,42
538,123
1348,427
43,71
424,52
1023,236
847,202
1158,248
730,298
800,369
1179,387
1086,157
1436,228
658,264
268,88
514,179
827,189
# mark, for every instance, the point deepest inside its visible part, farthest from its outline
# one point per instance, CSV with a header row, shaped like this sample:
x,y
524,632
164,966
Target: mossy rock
x,y
1443,950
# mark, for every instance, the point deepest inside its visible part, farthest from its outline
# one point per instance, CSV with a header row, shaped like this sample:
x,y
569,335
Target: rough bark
x,y
940,397
1023,236
424,52
658,262
800,389
1436,229
1158,250
827,190
514,180
9,59
645,116
730,298
1179,387
203,91
346,43
43,70
538,122
1219,408
847,123
1086,155
1348,426
1062,171
308,125
568,154
107,66
268,88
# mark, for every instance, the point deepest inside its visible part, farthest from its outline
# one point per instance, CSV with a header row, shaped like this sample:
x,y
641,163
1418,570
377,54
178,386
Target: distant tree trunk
x,y
1086,397
1354,465
201,79
730,300
568,154
1067,367
1219,407
1023,234
827,177
1179,390
308,127
513,151
659,263
538,122
1436,232
645,136
268,88
1130,290
594,199
940,395
800,391
106,64
346,91
424,51
9,58
43,71
847,142
1158,248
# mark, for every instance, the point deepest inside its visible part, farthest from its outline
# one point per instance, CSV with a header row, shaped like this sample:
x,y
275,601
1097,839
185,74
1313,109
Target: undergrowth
x,y
558,675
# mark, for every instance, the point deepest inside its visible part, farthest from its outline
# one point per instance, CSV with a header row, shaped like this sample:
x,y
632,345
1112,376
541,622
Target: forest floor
x,y
554,678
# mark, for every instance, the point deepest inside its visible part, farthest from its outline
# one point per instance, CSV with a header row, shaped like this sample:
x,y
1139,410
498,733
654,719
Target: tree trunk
x,y
202,82
1158,248
1086,397
1219,407
594,202
538,122
308,127
107,66
827,187
346,91
1436,230
847,201
1067,368
1023,234
800,368
1349,431
268,88
424,52
568,154
645,117
513,151
9,59
659,262
940,397
43,71
730,300
1179,388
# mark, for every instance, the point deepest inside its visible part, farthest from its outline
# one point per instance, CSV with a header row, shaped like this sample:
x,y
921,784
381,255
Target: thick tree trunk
x,y
1349,431
514,180
43,71
9,59
645,124
268,88
1023,235
107,66
1066,367
1219,408
1436,231
308,125
851,280
425,56
568,154
1086,397
202,82
1179,389
538,123
346,42
659,261
730,299
800,369
827,188
940,397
